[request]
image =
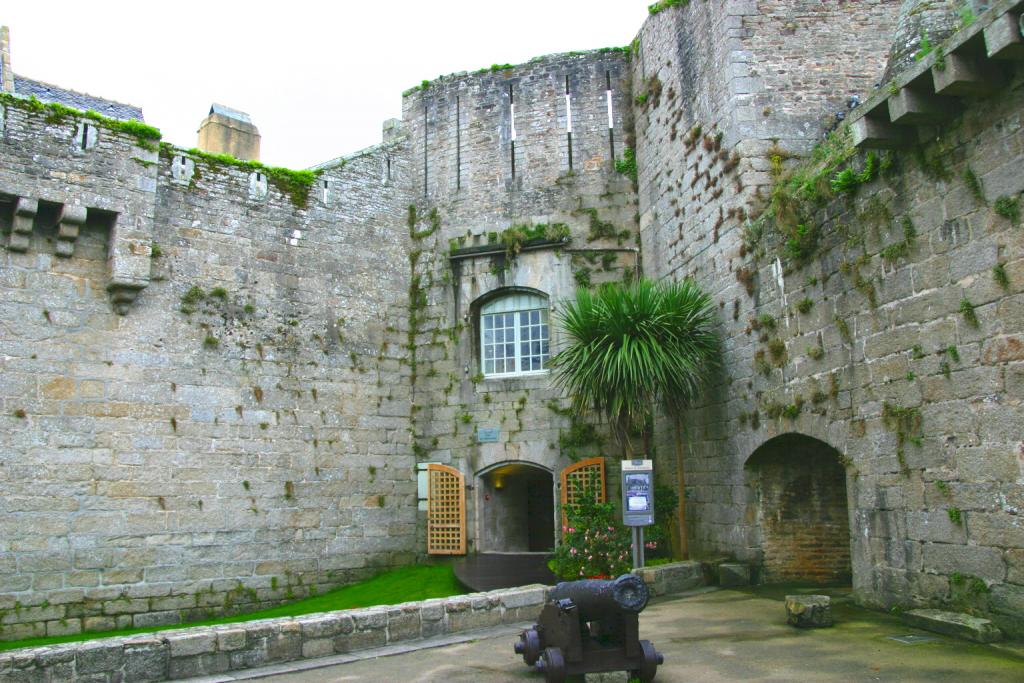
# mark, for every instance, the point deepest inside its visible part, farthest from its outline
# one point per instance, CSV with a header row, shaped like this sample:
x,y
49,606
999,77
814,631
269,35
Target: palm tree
x,y
632,347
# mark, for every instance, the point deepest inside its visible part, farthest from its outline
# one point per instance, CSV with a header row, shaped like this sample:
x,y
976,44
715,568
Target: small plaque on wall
x,y
487,434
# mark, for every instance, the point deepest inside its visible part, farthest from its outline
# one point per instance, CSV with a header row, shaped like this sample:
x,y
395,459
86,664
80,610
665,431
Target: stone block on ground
x,y
733,574
809,611
606,677
954,624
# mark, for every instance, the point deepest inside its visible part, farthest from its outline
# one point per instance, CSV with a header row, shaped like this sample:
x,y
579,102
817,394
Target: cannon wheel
x,y
554,665
529,646
648,663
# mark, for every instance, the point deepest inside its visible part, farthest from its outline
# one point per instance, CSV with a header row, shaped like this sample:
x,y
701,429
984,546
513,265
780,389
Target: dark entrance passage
x,y
515,528
805,529
516,508
490,571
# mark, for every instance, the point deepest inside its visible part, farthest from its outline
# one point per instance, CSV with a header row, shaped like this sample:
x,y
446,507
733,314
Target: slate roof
x,y
229,112
44,92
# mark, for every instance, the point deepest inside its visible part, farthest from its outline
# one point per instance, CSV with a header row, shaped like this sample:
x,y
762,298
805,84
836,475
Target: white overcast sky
x,y
317,78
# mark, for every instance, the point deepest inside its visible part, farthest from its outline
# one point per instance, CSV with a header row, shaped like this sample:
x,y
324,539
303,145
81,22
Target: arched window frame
x,y
525,316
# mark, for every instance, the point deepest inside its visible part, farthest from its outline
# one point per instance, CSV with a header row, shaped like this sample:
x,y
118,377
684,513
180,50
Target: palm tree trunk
x,y
627,444
684,544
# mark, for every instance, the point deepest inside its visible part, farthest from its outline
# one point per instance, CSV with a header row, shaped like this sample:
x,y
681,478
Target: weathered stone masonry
x,y
215,399
164,464
467,118
869,348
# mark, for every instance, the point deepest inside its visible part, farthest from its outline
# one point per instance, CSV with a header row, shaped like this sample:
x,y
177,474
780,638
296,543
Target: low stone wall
x,y
205,650
676,577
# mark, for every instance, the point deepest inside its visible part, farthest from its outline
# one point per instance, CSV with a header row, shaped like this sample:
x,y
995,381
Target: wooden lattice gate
x,y
581,478
446,511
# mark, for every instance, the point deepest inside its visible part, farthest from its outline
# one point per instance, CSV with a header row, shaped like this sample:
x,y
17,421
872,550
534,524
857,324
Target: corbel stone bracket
x,y
129,260
70,221
25,210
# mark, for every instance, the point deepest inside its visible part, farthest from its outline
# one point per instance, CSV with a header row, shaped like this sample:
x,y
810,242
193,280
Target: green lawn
x,y
389,588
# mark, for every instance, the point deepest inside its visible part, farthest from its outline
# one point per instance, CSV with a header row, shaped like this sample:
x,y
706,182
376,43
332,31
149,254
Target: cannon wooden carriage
x,y
591,626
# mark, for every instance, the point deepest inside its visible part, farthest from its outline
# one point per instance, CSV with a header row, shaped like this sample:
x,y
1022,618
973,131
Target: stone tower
x,y
919,20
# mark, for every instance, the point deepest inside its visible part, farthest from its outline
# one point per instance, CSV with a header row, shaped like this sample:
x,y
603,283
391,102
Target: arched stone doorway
x,y
516,508
800,485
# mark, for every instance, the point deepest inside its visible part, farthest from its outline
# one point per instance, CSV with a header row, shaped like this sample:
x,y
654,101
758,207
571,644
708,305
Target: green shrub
x,y
967,311
1000,276
845,181
191,298
1008,207
593,543
627,164
801,243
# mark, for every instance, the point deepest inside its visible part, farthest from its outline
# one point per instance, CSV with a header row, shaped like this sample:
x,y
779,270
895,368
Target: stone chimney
x,y
228,131
6,73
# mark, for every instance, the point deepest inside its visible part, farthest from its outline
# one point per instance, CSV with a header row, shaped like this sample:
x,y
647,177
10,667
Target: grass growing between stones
x,y
400,585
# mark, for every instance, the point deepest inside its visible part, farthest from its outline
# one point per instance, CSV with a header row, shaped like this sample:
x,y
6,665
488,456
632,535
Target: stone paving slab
x,y
713,637
954,624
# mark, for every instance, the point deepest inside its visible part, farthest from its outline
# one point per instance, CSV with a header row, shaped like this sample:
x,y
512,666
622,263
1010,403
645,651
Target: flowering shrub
x,y
593,544
656,536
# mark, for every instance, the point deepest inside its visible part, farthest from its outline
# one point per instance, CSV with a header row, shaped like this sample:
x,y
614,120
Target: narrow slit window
x,y
512,113
458,143
611,114
85,136
568,121
512,127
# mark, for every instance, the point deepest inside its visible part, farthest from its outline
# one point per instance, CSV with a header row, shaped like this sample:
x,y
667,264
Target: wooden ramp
x,y
490,571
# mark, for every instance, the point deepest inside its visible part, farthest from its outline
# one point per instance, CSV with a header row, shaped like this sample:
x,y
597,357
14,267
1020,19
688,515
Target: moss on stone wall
x,y
624,51
146,136
663,5
295,184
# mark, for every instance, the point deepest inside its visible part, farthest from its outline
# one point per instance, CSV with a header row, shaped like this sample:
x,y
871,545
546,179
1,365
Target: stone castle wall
x,y
249,430
863,345
164,464
464,262
715,109
726,87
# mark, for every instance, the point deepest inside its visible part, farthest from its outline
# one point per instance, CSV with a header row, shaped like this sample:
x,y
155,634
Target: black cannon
x,y
588,627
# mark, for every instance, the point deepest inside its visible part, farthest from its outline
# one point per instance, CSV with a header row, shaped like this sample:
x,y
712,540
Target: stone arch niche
x,y
515,503
799,483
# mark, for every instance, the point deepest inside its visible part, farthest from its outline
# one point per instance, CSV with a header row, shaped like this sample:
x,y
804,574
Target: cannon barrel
x,y
597,598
